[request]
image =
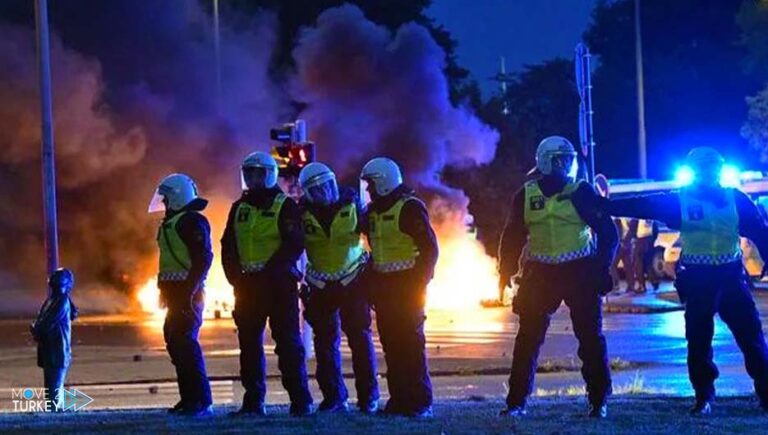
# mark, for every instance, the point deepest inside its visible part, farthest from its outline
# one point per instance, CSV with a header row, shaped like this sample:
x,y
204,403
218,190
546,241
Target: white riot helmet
x,y
177,190
319,184
707,164
554,154
383,173
252,163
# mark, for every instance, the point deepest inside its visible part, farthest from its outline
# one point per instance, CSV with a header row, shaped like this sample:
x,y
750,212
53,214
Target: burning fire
x,y
464,275
219,298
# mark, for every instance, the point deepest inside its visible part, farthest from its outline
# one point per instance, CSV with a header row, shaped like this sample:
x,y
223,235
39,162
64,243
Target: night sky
x,y
524,31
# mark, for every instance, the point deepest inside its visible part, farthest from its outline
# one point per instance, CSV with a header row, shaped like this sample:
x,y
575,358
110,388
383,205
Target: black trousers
x,y
181,331
329,311
399,299
276,299
723,290
543,289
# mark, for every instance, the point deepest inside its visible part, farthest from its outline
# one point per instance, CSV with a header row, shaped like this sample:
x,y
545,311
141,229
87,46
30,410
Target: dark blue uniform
x,y
707,290
335,308
399,300
184,318
271,293
543,287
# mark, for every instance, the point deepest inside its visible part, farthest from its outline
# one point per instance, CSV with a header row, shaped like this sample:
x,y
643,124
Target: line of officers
x,y
558,244
265,236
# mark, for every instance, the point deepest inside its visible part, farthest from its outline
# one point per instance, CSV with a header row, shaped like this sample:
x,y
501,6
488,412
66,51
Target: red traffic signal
x,y
291,158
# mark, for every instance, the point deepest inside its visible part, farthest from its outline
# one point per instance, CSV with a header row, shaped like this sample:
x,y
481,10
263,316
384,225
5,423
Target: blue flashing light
x,y
684,176
730,176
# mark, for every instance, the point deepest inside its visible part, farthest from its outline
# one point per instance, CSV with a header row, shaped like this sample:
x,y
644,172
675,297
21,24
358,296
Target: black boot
x,y
513,411
256,410
301,410
175,409
369,407
331,407
702,407
598,410
424,413
197,411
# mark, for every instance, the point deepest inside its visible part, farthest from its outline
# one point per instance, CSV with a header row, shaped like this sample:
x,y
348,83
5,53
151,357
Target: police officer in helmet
x,y
261,245
404,249
711,278
556,219
184,239
336,300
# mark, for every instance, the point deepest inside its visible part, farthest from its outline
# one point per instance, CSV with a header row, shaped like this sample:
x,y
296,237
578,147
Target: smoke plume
x,y
136,98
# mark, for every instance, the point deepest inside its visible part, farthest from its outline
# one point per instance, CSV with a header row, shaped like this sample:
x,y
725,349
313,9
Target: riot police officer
x,y
404,249
184,239
554,218
711,278
261,245
336,299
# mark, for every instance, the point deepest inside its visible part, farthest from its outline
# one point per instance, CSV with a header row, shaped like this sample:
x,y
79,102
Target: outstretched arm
x,y
586,202
664,207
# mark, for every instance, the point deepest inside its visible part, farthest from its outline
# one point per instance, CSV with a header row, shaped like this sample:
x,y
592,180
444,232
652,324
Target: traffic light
x,y
291,158
295,151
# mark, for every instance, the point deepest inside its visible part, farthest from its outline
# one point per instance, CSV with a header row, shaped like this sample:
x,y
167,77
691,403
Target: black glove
x,y
604,283
33,331
682,283
305,293
602,279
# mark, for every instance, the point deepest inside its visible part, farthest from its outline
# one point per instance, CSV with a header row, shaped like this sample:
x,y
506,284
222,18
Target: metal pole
x,y
217,50
48,152
641,138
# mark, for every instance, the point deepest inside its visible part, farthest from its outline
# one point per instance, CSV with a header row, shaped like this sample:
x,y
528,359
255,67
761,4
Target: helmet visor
x,y
253,177
324,193
157,203
565,165
366,187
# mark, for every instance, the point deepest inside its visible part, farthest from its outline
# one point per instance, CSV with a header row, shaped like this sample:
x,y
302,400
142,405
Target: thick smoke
x,y
370,92
136,98
153,111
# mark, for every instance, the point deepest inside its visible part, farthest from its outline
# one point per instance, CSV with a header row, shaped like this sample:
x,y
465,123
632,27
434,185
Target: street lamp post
x,y
217,54
641,138
48,151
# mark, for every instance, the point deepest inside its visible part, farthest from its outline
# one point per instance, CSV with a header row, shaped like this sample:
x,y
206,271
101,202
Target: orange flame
x,y
464,275
219,297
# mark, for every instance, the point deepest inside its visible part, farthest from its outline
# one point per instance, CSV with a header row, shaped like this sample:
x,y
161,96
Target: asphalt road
x,y
121,360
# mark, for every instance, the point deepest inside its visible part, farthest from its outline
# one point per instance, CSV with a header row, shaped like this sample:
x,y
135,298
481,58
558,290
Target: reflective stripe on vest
x,y
174,255
556,232
393,250
644,228
709,234
336,254
257,233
